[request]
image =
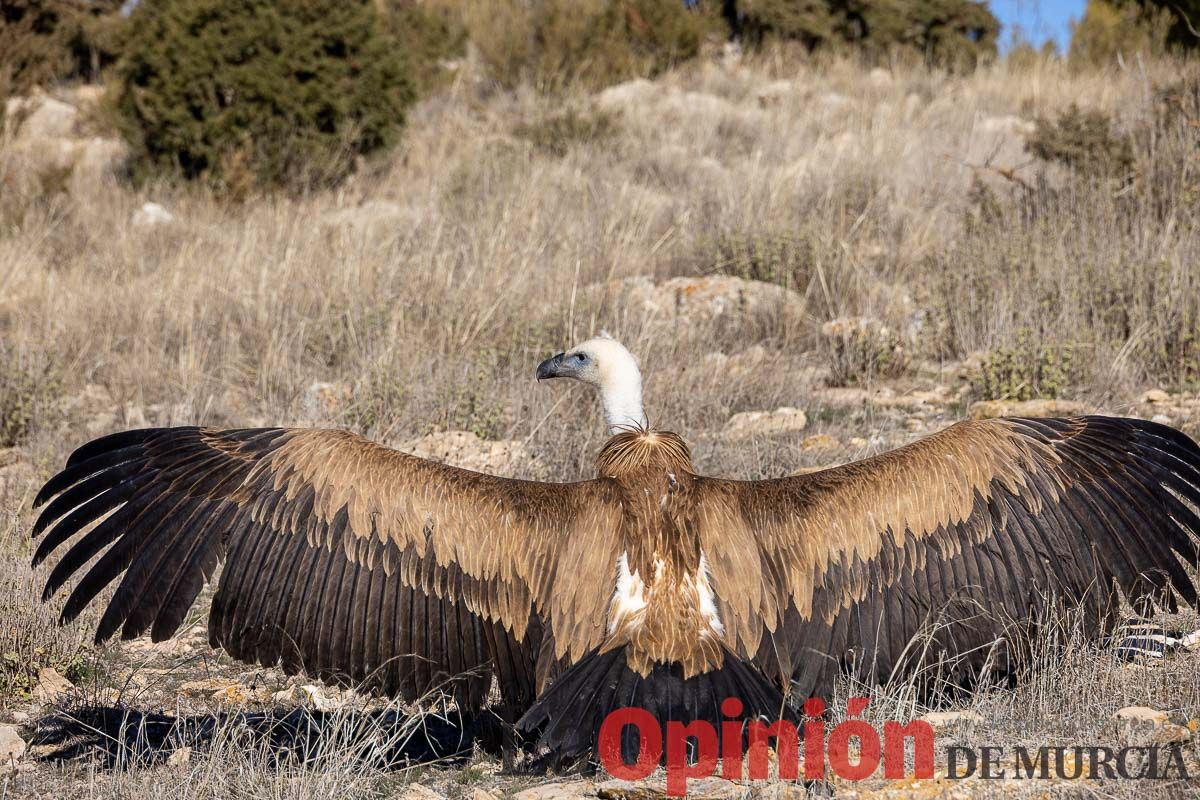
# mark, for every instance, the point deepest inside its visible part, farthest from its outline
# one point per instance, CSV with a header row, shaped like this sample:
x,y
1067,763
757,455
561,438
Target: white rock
x,y
49,119
880,77
765,423
1141,714
419,791
308,695
150,215
561,790
1007,125
12,747
990,409
179,757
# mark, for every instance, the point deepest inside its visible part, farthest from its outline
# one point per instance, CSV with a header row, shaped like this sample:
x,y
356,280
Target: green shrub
x,y
1026,371
259,93
860,350
1112,29
951,32
785,259
43,42
595,43
1083,140
429,34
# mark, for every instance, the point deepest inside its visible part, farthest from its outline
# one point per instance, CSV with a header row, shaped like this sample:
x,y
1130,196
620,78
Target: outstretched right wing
x,y
342,557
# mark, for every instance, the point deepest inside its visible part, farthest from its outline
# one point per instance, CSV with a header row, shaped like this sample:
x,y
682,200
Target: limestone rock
x,y
1146,725
51,685
564,790
991,409
419,791
307,695
820,441
765,423
1141,714
49,119
483,794
179,757
151,215
12,747
465,449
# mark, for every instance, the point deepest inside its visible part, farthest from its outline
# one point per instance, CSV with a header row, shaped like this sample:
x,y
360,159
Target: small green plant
x,y
1026,371
43,42
783,259
270,94
860,350
1084,141
558,132
593,43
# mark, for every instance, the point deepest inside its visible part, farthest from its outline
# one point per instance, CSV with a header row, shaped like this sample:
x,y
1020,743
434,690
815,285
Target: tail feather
x,y
566,719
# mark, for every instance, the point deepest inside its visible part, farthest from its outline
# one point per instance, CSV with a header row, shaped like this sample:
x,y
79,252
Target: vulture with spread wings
x,y
648,585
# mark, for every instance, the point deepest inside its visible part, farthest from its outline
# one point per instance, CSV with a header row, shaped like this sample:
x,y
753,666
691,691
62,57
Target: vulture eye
x,y
580,357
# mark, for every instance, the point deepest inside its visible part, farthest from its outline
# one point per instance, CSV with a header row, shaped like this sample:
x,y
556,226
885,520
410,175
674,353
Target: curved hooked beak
x,y
552,367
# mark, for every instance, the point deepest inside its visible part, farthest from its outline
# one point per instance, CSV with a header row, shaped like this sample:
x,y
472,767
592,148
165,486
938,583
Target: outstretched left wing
x,y
974,527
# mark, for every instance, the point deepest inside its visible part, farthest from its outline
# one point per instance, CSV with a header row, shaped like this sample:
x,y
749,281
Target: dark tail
x,y
566,719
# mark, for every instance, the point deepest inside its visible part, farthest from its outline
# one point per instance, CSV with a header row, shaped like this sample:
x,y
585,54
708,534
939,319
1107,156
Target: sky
x,y
1039,20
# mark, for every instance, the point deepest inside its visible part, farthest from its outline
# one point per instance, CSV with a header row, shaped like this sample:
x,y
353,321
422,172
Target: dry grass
x,y
432,284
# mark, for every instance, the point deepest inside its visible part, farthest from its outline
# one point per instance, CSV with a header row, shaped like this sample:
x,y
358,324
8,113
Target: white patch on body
x,y
708,601
630,597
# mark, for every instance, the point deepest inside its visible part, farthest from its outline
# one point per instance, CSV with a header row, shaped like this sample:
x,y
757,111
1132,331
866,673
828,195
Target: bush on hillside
x,y
553,43
949,32
256,94
428,34
1112,29
1083,140
43,42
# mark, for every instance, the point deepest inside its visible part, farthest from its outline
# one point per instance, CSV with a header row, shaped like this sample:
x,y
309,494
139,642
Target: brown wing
x,y
342,557
974,526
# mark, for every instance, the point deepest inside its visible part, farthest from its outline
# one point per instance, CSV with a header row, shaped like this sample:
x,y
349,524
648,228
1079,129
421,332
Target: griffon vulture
x,y
647,585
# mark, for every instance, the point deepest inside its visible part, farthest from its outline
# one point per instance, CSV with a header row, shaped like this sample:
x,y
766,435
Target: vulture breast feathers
x,y
648,584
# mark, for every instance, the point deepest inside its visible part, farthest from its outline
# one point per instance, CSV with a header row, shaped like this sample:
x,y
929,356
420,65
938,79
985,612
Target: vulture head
x,y
606,364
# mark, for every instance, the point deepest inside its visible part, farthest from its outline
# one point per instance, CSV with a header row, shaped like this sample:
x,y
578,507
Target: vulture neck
x,y
621,398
